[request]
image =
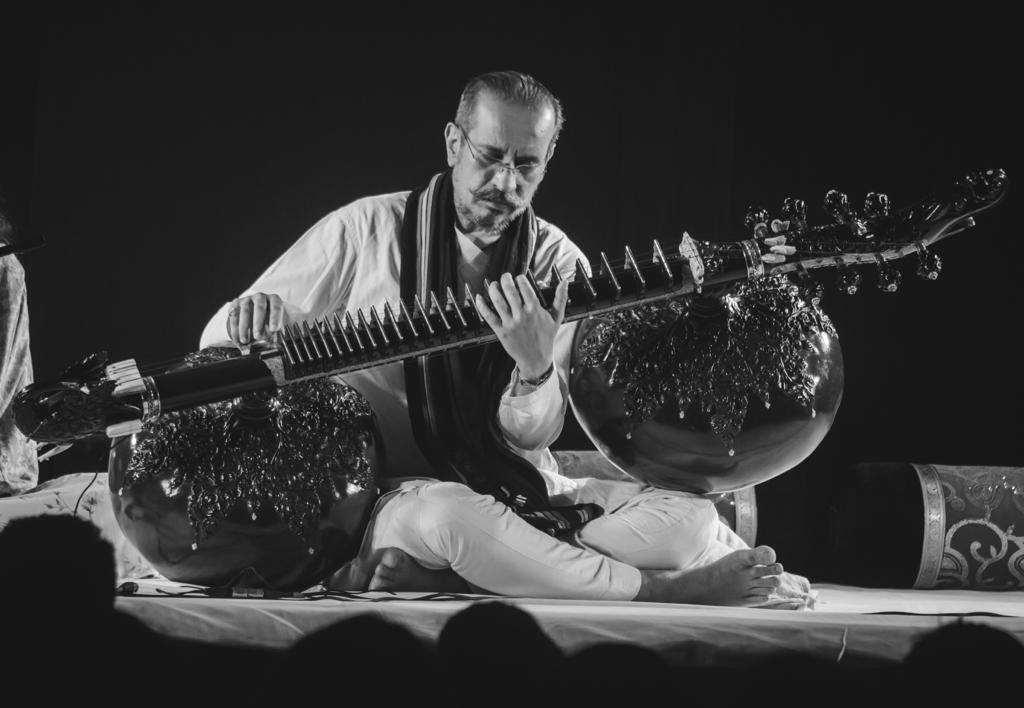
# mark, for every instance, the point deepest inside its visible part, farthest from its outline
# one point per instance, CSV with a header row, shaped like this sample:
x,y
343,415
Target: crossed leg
x,y
432,527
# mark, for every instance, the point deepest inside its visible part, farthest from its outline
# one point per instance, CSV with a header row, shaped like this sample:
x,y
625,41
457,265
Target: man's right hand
x,y
254,317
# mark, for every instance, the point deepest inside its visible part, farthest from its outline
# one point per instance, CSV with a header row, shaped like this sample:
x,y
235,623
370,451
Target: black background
x,y
169,153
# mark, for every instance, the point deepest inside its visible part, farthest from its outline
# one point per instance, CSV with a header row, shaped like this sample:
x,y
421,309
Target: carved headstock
x,y
873,234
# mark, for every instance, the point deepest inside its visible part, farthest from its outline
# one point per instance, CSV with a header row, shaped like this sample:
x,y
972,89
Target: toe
x,y
760,556
765,570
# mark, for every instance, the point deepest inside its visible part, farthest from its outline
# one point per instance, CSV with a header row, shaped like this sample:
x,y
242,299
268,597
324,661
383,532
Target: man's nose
x,y
505,179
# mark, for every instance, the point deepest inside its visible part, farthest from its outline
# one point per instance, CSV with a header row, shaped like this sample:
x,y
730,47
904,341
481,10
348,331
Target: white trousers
x,y
447,525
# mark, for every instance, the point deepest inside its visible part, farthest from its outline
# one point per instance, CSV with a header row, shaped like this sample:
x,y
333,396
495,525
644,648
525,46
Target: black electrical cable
x,y
95,476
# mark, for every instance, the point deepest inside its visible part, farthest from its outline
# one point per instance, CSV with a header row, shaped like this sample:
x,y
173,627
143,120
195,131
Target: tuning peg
x,y
984,185
929,265
888,277
837,205
756,220
876,205
847,279
795,210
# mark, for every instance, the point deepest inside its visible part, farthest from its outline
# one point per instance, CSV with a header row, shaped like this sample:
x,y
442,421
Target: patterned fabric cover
x,y
974,527
19,469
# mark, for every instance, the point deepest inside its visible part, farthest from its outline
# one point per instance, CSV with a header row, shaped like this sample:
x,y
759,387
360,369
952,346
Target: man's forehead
x,y
495,118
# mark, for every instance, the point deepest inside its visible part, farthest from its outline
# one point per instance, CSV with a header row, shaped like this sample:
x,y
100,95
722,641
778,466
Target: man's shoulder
x,y
366,217
551,237
374,206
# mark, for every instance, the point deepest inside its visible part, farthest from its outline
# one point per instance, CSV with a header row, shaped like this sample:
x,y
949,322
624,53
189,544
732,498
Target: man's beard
x,y
489,222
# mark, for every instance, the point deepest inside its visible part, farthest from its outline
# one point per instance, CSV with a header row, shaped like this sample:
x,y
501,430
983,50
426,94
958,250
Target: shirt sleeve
x,y
533,421
312,277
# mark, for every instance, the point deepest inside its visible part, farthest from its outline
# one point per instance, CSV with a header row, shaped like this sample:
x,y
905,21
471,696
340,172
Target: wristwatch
x,y
537,382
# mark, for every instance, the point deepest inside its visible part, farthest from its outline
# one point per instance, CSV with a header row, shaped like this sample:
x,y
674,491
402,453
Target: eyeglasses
x,y
526,171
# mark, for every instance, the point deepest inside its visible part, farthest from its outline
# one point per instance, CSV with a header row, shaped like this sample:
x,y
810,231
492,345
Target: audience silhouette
x,y
494,643
63,638
366,659
965,661
58,597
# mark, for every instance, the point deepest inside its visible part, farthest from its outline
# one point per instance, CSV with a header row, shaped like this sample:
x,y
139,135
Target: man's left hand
x,y
525,329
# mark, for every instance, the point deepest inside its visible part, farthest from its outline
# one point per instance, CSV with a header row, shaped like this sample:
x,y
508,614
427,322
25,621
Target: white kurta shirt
x,y
351,260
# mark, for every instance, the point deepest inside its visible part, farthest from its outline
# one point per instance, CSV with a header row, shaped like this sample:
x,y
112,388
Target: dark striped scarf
x,y
453,396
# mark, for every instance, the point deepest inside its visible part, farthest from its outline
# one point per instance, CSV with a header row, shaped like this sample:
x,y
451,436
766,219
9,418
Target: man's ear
x,y
451,143
551,151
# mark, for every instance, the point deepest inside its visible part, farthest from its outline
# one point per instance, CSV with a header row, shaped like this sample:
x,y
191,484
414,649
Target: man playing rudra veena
x,y
464,415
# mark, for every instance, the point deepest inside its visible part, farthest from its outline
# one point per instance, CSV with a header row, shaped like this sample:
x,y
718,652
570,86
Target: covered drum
x,y
906,525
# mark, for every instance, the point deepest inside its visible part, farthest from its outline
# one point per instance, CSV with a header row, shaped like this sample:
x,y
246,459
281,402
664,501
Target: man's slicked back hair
x,y
513,87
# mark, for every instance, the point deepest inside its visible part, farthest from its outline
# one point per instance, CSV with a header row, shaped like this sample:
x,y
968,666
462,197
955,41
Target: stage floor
x,y
849,625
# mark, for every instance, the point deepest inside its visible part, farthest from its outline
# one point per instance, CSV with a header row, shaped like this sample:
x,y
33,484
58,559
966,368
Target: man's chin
x,y
491,218
497,221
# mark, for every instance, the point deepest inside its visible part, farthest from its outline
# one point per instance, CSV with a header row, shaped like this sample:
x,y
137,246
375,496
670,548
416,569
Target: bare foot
x,y
798,589
791,585
399,572
743,578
